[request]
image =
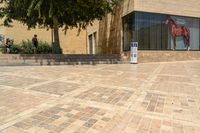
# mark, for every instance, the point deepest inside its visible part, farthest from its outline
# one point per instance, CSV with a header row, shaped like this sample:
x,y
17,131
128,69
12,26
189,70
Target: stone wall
x,y
128,6
71,43
175,7
56,59
162,56
109,32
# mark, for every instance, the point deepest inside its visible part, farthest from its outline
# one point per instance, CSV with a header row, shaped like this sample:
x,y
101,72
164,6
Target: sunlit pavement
x,y
123,98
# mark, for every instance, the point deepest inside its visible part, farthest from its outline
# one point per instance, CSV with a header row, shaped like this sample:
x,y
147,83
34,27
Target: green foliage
x,y
15,49
44,48
66,13
2,49
25,47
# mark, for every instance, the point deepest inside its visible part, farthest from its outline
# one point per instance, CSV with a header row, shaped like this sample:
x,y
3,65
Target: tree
x,y
56,14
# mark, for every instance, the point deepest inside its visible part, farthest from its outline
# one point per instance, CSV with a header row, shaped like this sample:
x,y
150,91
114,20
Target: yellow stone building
x,y
133,20
144,21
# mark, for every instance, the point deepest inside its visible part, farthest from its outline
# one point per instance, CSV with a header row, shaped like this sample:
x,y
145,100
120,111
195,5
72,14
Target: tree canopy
x,y
55,14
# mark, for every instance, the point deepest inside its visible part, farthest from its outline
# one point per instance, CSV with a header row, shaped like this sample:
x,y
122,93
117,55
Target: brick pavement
x,y
122,98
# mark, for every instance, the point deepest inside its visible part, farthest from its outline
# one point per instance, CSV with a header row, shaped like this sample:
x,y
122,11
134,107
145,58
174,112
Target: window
x,y
92,43
152,33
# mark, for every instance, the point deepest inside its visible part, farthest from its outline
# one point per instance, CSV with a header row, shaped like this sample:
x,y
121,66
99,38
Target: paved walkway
x,y
143,98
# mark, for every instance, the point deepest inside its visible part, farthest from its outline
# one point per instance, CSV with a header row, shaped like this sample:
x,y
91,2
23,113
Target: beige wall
x,y
71,43
108,32
19,32
128,6
176,7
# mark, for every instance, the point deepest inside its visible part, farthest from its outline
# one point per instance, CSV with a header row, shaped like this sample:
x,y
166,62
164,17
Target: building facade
x,y
145,21
72,42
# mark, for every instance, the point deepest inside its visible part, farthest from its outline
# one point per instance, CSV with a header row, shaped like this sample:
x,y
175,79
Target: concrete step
x,y
36,60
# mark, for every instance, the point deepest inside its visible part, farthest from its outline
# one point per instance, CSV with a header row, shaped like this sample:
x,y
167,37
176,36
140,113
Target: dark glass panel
x,y
151,32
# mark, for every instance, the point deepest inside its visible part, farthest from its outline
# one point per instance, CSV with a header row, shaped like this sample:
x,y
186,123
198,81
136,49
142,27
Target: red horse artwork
x,y
177,31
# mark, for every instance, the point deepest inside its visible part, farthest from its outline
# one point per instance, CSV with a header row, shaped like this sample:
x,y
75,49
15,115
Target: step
x,y
49,59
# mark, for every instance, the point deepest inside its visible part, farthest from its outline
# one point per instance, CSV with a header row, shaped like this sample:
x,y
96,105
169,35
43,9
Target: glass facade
x,y
151,31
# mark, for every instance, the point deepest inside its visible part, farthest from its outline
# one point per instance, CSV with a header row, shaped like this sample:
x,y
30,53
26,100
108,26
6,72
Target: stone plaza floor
x,y
121,98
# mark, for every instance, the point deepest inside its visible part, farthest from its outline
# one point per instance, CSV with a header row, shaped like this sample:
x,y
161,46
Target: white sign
x,y
134,52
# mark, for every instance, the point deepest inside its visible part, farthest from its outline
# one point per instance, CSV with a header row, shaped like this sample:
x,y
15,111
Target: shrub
x,y
25,47
2,49
44,48
15,49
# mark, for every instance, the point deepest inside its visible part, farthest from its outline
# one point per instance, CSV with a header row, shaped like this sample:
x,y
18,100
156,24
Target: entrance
x,y
90,44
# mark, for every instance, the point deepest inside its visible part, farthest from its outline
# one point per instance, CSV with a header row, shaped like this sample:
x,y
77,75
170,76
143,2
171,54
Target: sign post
x,y
134,53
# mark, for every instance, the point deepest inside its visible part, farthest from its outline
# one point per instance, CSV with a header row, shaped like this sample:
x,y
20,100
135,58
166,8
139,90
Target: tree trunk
x,y
56,49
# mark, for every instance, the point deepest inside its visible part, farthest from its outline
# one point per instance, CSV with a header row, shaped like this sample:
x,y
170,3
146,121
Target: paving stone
x,y
106,95
58,88
123,98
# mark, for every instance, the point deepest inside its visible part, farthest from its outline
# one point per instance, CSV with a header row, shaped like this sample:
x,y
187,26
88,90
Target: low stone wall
x,y
162,56
53,59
